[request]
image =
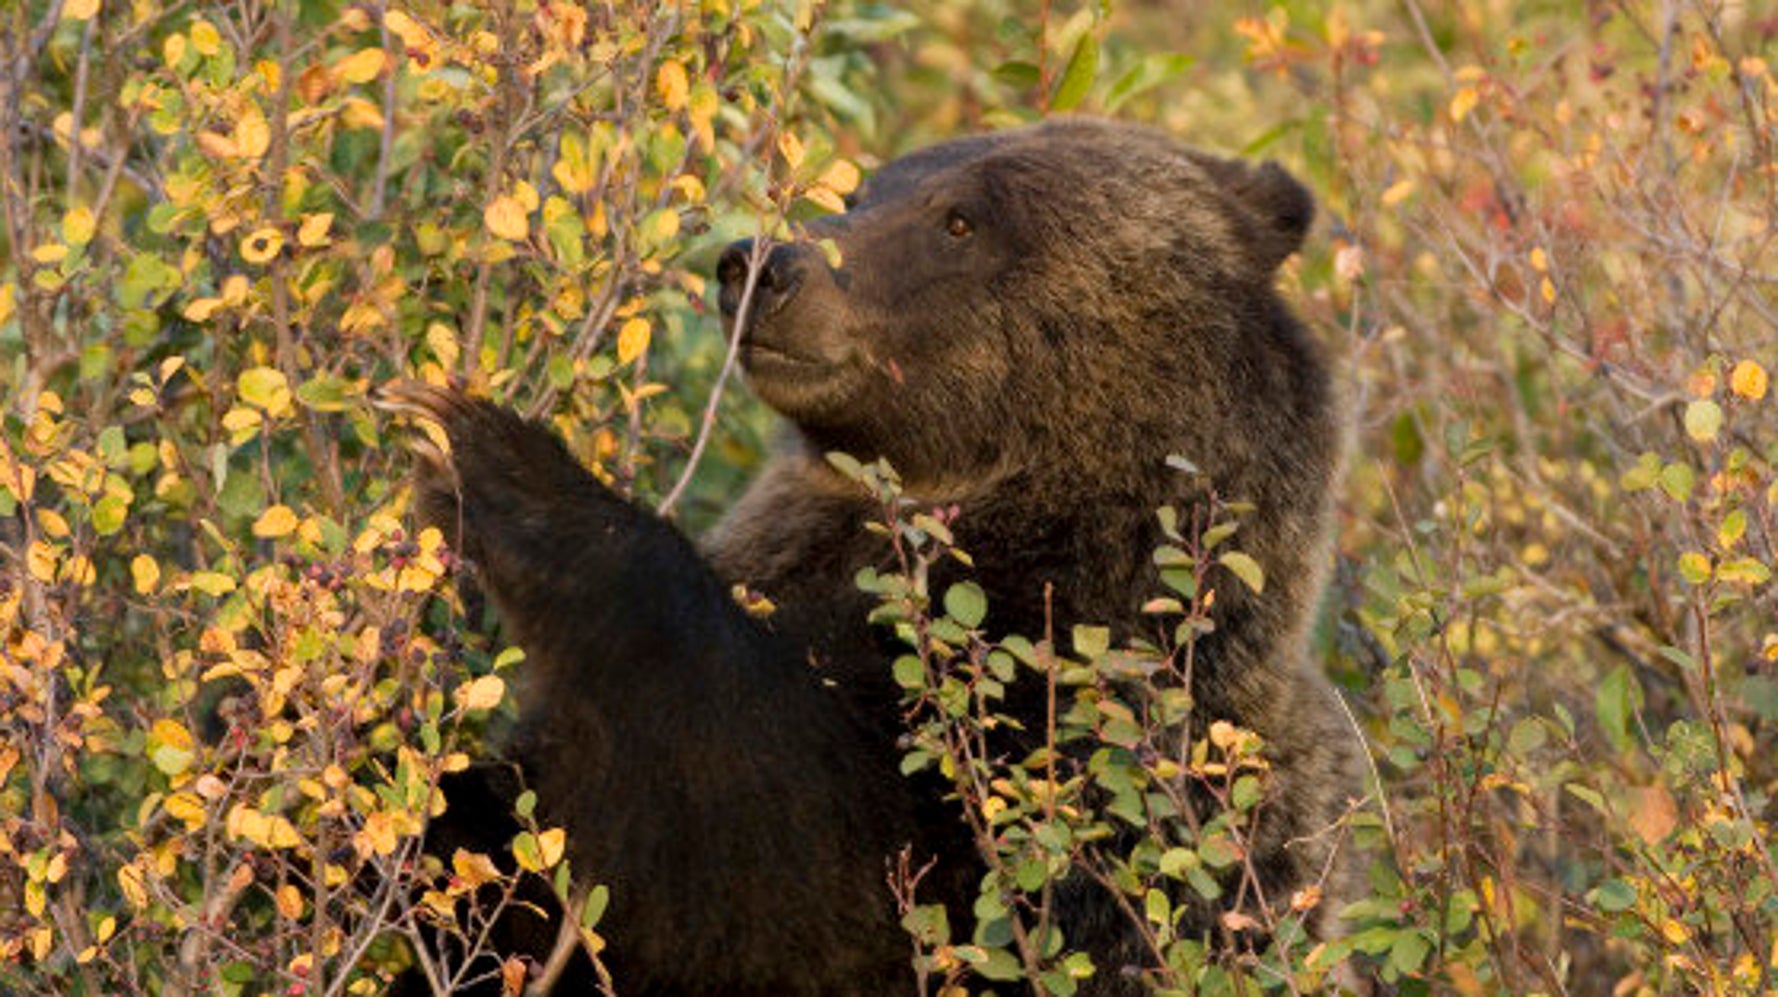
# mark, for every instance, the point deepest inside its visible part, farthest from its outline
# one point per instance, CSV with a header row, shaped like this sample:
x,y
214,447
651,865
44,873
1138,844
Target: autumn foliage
x,y
232,673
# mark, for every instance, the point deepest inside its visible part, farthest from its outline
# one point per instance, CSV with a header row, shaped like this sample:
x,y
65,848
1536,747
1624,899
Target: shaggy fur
x,y
1025,324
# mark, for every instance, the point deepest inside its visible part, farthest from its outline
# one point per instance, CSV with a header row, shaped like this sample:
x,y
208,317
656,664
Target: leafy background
x,y
230,674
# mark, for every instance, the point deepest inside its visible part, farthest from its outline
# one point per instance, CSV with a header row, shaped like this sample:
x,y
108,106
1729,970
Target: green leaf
x,y
909,672
1614,895
1215,535
1527,736
1644,475
109,514
1761,695
528,851
324,393
1677,481
594,908
1409,951
1245,568
1732,528
1083,65
1246,793
566,233
1616,702
1157,908
1744,569
846,464
1002,966
1703,420
1218,852
1091,642
1147,74
967,604
1017,74
1176,861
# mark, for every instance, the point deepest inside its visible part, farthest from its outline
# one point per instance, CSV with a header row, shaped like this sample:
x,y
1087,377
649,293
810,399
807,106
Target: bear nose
x,y
780,275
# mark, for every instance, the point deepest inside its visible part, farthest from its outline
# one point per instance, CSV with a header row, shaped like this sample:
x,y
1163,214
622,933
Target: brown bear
x,y
1026,325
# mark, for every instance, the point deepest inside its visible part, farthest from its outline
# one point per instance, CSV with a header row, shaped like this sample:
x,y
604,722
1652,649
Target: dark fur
x,y
735,782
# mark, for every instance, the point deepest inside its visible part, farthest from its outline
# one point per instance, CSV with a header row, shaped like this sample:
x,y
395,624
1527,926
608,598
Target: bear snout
x,y
780,276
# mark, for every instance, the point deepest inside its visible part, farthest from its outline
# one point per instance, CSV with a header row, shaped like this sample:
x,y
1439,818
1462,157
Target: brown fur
x,y
1105,301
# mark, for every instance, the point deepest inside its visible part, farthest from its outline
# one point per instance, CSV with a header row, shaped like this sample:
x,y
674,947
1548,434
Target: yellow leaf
x,y
550,845
1547,290
219,146
211,583
360,67
1224,734
356,112
1397,193
313,231
791,148
632,339
201,309
1540,260
40,561
145,572
827,199
265,388
171,747
78,226
50,253
1749,380
442,340
129,879
252,136
473,868
411,33
80,10
505,217
663,225
671,81
52,523
574,166
241,423
205,38
378,835
262,245
187,807
290,902
274,522
840,176
1462,103
1653,814
702,111
483,693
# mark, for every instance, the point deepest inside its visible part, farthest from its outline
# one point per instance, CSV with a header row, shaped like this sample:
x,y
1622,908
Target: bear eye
x,y
957,226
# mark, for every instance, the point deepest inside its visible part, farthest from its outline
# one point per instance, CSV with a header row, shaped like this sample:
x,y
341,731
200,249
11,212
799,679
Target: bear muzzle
x,y
780,277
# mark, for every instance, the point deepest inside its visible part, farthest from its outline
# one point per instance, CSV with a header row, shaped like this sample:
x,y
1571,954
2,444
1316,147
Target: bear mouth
x,y
754,353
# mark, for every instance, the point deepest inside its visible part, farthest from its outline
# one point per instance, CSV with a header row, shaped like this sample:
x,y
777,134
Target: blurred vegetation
x,y
229,679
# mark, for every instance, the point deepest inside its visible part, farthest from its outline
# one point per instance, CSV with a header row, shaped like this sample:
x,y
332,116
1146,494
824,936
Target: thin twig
x,y
743,313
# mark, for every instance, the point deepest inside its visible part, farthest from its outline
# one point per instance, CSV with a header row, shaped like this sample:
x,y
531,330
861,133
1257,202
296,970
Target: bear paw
x,y
482,470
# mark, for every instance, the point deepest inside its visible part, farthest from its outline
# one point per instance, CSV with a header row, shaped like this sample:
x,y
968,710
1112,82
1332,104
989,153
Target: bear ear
x,y
1280,208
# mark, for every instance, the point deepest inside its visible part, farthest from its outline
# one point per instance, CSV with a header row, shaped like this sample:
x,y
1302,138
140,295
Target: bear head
x,y
1011,298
